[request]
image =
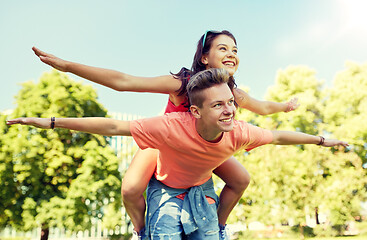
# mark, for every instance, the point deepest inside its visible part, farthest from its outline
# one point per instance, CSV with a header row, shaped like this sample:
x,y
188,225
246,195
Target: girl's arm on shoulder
x,y
110,78
262,107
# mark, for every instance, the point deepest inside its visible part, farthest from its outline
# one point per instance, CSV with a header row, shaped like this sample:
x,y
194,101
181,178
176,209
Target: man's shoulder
x,y
240,124
242,127
179,116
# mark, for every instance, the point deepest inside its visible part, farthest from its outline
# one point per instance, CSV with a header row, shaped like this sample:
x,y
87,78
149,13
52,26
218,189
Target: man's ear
x,y
195,111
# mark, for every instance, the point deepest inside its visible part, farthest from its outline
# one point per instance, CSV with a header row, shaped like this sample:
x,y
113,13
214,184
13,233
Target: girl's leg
x,y
135,182
237,179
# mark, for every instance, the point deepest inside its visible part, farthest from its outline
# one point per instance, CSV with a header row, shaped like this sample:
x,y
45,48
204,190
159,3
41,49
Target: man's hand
x,y
334,142
44,123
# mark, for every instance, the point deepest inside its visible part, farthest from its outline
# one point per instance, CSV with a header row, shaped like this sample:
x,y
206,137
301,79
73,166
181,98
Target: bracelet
x,y
322,140
52,122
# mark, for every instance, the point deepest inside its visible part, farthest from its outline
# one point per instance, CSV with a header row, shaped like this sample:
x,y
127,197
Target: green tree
x,y
345,109
301,82
57,178
342,188
280,184
345,113
292,182
8,203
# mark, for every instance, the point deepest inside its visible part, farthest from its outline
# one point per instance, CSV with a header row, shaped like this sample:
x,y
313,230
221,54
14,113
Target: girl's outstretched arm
x,y
263,107
95,125
110,78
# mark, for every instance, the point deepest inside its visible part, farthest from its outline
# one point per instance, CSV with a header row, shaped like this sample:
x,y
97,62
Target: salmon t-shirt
x,y
185,158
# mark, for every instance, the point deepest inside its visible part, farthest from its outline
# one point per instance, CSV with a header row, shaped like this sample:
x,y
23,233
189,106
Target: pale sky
x,y
151,38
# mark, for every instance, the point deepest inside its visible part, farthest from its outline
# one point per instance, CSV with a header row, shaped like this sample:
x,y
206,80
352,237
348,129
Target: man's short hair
x,y
203,80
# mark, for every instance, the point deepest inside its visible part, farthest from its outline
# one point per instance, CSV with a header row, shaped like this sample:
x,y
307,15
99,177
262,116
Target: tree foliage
x,y
292,183
56,177
345,111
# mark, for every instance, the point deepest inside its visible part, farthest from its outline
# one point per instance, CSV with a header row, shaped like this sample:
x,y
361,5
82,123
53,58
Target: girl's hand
x,y
292,105
51,60
44,123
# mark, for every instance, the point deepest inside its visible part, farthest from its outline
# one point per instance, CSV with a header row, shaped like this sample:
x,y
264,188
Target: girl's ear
x,y
195,111
204,60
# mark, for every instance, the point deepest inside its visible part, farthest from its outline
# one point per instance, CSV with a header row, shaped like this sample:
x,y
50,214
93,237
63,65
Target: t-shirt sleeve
x,y
149,132
256,136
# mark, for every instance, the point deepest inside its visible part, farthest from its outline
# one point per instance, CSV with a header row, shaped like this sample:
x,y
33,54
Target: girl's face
x,y
222,54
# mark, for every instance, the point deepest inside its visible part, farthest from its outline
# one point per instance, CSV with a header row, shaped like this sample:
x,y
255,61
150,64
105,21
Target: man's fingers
x,y
13,121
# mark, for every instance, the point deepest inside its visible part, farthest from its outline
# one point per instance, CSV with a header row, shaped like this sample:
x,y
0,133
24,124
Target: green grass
x,y
314,238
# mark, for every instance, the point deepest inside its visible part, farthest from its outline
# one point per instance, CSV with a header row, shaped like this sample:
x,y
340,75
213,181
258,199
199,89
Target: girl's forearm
x,y
106,77
274,107
262,107
120,81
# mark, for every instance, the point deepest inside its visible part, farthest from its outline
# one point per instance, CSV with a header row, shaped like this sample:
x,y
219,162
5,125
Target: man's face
x,y
217,112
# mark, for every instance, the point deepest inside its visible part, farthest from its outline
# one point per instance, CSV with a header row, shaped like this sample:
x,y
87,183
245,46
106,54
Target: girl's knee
x,y
240,182
130,191
245,181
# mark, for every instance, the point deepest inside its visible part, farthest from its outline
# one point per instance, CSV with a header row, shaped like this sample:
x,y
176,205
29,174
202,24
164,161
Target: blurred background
x,y
151,38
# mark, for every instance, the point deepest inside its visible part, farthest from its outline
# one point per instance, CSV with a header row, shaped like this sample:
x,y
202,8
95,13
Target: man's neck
x,y
207,134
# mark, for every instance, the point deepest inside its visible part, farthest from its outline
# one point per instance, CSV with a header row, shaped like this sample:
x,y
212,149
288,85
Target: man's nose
x,y
229,109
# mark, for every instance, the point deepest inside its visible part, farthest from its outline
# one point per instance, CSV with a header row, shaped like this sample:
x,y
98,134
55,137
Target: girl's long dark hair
x,y
197,66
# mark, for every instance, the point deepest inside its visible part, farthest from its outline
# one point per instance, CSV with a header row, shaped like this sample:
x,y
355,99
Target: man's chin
x,y
227,128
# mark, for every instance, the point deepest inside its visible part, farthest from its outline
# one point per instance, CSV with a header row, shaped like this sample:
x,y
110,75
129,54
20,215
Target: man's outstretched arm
x,y
294,138
95,125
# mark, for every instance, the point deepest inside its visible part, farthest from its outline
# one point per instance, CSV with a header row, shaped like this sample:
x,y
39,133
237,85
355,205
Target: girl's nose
x,y
230,54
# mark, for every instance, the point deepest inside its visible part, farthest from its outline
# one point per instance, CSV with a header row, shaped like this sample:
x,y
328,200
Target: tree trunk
x,y
317,215
44,232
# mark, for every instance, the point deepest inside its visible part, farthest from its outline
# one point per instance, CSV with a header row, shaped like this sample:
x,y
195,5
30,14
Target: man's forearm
x,y
293,138
95,125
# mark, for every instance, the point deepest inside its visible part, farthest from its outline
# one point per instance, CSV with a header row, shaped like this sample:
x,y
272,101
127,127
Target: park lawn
x,y
364,237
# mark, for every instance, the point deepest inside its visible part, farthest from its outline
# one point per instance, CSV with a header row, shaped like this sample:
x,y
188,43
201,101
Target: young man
x,y
180,197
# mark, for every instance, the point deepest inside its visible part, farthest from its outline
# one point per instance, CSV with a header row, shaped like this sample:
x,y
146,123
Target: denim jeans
x,y
168,216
